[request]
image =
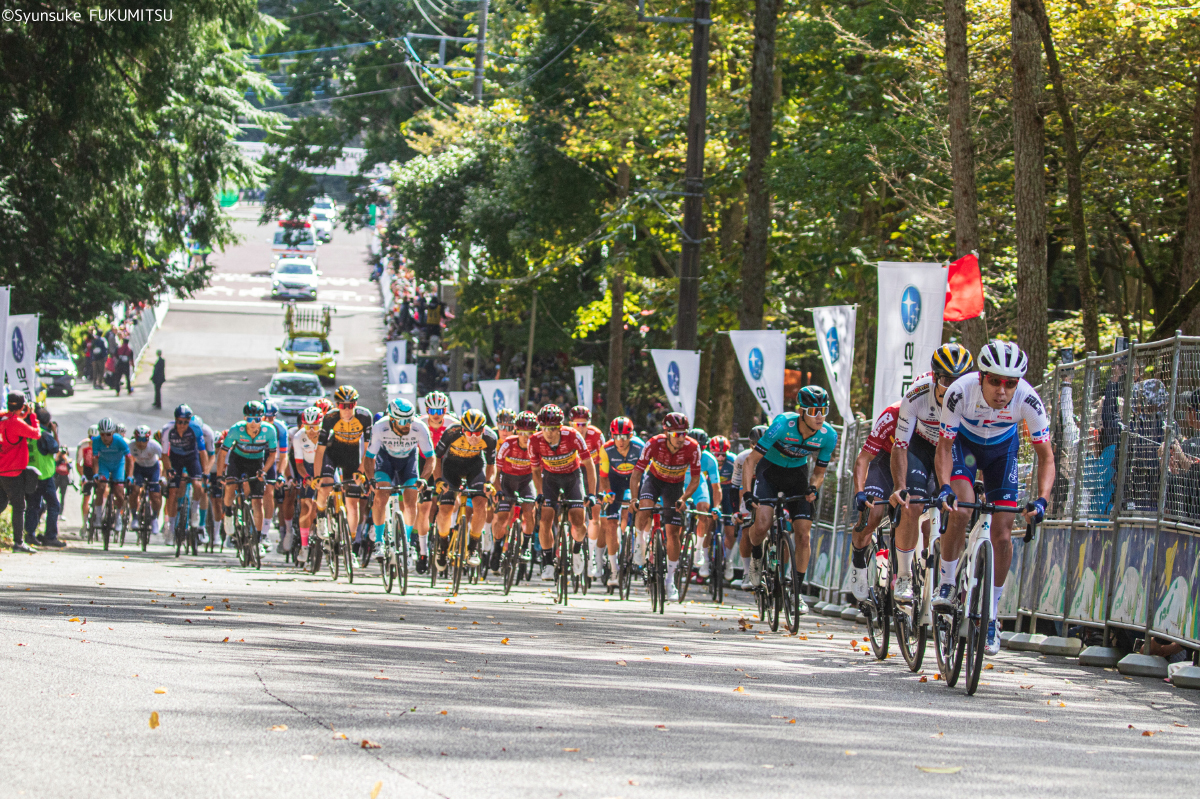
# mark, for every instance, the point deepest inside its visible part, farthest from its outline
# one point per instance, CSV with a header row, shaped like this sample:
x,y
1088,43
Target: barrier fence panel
x,y
830,510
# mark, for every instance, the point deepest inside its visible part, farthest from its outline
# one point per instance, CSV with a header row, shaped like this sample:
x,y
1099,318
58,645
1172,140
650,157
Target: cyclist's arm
x,y
535,469
269,461
129,465
1046,469
590,475
748,469
635,482
368,465
427,469
437,469
318,460
861,464
943,460
818,476
221,454
489,472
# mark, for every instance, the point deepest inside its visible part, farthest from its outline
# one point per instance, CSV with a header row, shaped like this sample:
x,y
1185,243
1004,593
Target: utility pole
x,y
481,51
529,349
693,198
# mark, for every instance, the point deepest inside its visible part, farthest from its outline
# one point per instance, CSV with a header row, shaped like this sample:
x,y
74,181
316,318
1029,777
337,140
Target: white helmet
x,y
311,415
93,431
106,425
437,400
1003,358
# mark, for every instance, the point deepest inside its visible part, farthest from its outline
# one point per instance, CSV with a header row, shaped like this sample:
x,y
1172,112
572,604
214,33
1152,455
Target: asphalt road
x,y
486,695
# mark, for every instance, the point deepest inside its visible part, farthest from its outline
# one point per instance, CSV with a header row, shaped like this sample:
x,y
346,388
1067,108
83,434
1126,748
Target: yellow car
x,y
310,354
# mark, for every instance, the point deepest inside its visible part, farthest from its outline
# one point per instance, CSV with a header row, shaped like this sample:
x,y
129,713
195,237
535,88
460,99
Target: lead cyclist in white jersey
x,y
980,423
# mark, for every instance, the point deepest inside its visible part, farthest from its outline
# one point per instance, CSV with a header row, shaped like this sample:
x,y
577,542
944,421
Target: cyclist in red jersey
x,y
504,429
514,481
556,455
438,419
664,461
581,420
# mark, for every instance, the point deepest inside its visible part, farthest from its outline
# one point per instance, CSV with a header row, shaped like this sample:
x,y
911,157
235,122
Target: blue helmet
x,y
401,411
270,409
183,411
378,415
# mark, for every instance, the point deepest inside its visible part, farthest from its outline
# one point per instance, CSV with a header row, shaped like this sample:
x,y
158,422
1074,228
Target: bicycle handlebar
x,y
991,507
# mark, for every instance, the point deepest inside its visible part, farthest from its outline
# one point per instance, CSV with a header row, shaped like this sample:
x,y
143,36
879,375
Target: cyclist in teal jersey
x,y
247,450
779,464
707,495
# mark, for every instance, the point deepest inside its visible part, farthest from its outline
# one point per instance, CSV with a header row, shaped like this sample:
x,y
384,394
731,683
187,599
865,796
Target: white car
x,y
322,222
294,278
294,239
291,393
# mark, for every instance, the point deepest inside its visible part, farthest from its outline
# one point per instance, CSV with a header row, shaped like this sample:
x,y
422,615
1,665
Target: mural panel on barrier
x,y
1051,577
1175,575
1133,560
1086,579
818,568
1011,599
1029,553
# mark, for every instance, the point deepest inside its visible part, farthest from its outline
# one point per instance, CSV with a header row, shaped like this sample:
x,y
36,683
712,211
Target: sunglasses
x,y
1003,382
254,419
816,411
437,412
506,427
622,437
347,404
550,426
676,434
945,382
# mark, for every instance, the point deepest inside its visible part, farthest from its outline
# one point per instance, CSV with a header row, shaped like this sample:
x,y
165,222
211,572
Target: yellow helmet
x,y
345,394
952,360
473,420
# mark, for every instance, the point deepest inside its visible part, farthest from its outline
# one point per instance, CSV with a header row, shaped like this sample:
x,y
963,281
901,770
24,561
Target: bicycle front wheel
x,y
346,544
979,616
660,570
564,564
910,631
625,564
687,557
789,585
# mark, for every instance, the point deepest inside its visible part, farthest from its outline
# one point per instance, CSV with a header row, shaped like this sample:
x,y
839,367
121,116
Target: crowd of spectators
x,y
29,464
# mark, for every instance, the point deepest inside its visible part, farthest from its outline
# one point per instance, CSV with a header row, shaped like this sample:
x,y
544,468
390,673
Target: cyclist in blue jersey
x,y
707,495
779,464
114,464
187,449
393,458
618,457
980,422
248,452
277,471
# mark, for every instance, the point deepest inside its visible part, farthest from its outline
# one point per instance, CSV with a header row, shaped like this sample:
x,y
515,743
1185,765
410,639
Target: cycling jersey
x,y
435,433
346,434
112,453
304,449
669,467
455,444
565,457
784,443
513,458
240,442
965,411
594,440
738,471
919,411
883,434
281,436
399,446
187,443
726,470
711,474
616,466
148,455
83,451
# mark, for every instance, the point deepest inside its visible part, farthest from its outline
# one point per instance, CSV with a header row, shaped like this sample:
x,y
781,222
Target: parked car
x,y
311,354
323,220
295,278
56,368
292,392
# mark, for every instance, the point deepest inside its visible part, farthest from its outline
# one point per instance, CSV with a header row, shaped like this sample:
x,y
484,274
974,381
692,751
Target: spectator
x,y
125,366
62,473
17,426
158,378
45,494
110,337
111,378
98,355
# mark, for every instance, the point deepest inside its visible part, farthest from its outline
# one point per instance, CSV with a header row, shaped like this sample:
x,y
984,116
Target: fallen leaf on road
x,y
619,662
989,666
375,791
1177,724
340,736
791,721
451,661
1026,686
451,628
739,690
829,636
1042,721
866,639
160,690
308,757
154,720
444,712
476,677
576,749
662,727
803,636
923,679
279,728
1062,704
851,752
938,735
353,630
504,641
1147,733
226,638
937,676
74,619
369,744
940,769
208,607
381,677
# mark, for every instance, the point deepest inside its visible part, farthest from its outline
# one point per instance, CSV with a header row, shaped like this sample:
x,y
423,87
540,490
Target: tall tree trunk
x,y
1184,315
1029,190
758,195
962,156
616,323
704,387
724,378
1074,166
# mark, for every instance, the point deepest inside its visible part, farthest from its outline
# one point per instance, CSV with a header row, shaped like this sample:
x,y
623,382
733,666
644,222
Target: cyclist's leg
x,y
920,482
1000,482
962,481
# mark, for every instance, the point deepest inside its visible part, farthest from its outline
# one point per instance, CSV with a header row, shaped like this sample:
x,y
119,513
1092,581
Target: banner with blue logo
x,y
583,385
4,293
396,358
762,355
834,325
679,371
499,394
20,354
912,298
465,400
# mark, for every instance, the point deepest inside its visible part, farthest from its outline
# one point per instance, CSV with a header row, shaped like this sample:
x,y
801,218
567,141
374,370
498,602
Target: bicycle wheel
x,y
253,550
910,631
979,616
457,560
347,539
106,526
333,555
687,556
660,570
716,567
510,562
945,627
401,553
563,566
315,553
789,585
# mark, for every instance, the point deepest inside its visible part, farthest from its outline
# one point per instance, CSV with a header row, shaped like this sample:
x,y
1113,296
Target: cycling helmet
x,y
952,360
253,408
621,426
378,415
675,422
505,416
345,394
121,428
756,433
311,415
1003,358
93,431
270,409
526,421
436,400
700,436
401,411
581,412
550,415
184,411
473,420
142,432
719,445
812,397
106,425
323,405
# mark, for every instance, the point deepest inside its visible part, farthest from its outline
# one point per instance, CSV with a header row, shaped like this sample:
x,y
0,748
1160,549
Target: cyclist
x,y
514,483
198,501
275,475
664,461
438,419
618,457
872,484
398,441
216,491
505,425
730,500
339,447
466,454
581,420
303,446
557,454
113,464
707,495
248,451
187,458
147,471
779,463
742,513
85,465
911,468
980,417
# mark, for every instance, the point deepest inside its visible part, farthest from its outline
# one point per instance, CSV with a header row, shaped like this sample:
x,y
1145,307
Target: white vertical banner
x,y
763,357
405,373
679,371
4,296
466,400
834,326
499,394
583,385
20,354
396,358
912,298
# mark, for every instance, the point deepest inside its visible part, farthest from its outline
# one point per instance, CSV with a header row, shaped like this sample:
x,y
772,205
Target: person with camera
x,y
17,427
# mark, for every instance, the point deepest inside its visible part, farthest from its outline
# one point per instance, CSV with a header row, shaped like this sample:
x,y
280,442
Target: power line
x,y
339,97
318,49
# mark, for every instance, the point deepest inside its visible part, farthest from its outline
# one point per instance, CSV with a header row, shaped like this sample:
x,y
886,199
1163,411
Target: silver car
x,y
56,369
292,392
